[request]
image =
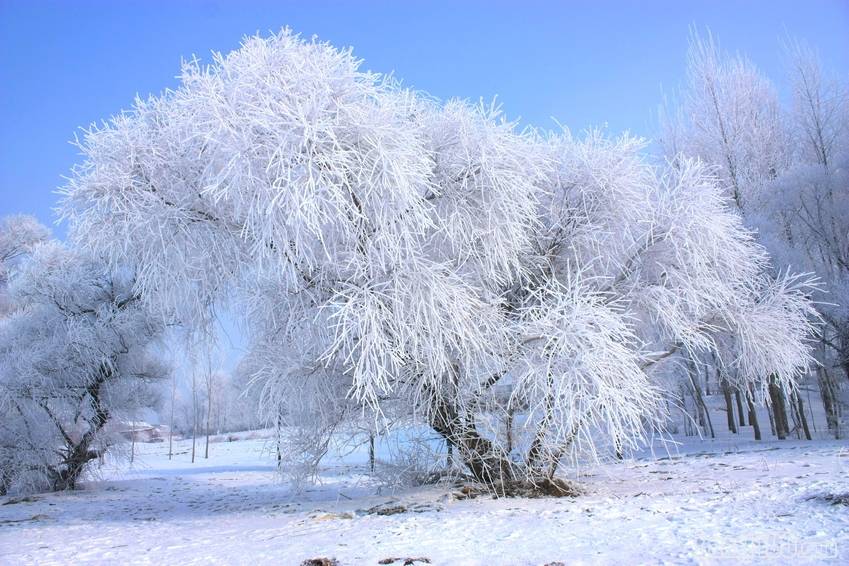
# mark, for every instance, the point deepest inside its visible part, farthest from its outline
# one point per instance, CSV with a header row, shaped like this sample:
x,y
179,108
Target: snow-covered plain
x,y
724,501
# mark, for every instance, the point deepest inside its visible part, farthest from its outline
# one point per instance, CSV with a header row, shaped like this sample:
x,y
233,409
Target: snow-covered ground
x,y
712,502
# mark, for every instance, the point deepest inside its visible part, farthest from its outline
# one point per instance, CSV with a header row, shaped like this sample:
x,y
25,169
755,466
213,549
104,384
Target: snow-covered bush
x,y
75,357
390,250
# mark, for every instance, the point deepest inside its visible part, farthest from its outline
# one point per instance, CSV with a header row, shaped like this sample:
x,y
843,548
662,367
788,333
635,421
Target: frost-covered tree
x,y
786,169
805,209
75,357
392,252
19,234
729,116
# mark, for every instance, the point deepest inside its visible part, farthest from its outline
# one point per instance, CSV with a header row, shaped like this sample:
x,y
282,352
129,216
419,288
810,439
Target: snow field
x,y
723,502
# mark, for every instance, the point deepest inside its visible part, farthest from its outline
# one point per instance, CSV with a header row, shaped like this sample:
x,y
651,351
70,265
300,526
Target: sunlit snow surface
x,y
711,502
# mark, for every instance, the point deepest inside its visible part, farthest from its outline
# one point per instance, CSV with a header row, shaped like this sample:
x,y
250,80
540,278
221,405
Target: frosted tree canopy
x,y
394,252
76,357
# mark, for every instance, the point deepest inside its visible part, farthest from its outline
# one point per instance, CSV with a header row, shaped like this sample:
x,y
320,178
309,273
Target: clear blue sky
x,y
66,64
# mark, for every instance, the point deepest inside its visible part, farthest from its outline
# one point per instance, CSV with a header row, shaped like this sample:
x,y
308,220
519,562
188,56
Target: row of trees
x,y
785,169
409,258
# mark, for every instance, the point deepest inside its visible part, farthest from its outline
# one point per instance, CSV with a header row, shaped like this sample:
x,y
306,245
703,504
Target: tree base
x,y
544,487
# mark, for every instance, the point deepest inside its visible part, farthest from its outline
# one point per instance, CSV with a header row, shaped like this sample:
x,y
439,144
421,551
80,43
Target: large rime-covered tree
x,y
787,170
392,252
75,359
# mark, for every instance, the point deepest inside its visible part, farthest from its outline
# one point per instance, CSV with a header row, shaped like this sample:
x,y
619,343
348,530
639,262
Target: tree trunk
x,y
782,428
704,413
194,413
740,411
782,396
700,412
80,453
277,429
73,467
509,429
811,411
689,429
843,354
829,401
171,419
208,415
729,406
753,414
800,412
371,451
771,415
707,415
485,463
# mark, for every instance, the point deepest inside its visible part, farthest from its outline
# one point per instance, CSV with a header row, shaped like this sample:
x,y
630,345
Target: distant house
x,y
141,431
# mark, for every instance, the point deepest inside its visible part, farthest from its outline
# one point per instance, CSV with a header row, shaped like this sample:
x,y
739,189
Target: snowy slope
x,y
712,502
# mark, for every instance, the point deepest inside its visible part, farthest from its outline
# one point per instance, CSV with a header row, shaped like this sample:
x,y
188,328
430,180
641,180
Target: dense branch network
x,y
391,252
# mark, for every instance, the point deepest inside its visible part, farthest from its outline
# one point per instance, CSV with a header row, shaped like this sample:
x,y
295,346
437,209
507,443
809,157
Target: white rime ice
x,y
75,358
392,253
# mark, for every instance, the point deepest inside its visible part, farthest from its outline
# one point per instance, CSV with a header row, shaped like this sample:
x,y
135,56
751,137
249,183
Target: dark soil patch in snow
x,y
554,487
832,498
469,492
393,510
320,562
388,509
25,499
545,487
39,517
405,561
